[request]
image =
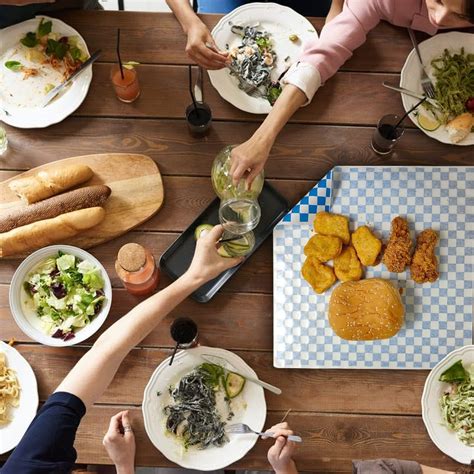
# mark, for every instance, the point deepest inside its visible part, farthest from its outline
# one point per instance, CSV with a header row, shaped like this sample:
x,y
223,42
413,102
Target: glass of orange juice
x,y
127,88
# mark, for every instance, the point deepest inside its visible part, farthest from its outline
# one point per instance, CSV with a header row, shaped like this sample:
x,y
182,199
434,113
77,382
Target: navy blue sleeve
x,y
48,444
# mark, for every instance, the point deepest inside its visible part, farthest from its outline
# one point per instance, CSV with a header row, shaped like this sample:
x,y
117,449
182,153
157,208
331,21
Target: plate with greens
x,y
187,406
449,62
263,40
448,405
36,56
60,295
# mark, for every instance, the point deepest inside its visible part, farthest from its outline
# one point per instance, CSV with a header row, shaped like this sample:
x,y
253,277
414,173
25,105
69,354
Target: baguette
x,y
50,231
82,198
45,184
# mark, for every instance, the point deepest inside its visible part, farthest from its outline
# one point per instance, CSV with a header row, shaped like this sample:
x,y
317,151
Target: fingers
x,y
115,423
214,234
206,57
238,172
127,425
278,446
253,174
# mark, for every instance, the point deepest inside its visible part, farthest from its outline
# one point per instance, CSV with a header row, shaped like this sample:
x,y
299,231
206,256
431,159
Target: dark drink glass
x,y
184,332
199,119
386,135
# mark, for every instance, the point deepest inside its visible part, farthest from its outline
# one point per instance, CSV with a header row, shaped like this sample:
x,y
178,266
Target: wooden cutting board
x,y
137,193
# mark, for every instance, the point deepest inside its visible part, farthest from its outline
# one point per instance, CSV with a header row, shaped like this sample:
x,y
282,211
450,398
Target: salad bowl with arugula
x,y
60,295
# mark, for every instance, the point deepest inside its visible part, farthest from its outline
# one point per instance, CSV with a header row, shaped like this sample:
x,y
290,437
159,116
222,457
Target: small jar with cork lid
x,y
135,266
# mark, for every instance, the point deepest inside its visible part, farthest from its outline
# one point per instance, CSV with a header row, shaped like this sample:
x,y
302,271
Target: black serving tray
x,y
177,258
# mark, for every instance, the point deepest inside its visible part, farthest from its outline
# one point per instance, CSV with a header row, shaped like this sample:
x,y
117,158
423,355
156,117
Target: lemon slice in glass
x,y
427,122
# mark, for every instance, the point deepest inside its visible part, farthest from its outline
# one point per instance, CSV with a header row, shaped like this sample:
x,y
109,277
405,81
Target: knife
x,y
410,93
224,362
54,92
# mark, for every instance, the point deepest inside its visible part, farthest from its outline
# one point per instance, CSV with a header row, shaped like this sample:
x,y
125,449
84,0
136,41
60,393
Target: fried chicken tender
x,y
347,266
323,247
366,245
319,276
397,255
424,265
332,224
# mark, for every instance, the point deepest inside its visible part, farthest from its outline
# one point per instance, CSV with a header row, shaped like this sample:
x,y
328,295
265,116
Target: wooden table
x,y
341,414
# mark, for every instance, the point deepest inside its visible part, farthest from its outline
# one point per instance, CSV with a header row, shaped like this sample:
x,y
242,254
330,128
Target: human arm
x,y
320,60
198,36
280,455
394,466
119,442
99,365
334,10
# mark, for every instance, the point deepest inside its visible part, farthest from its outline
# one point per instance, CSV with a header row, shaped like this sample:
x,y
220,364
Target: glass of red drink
x,y
127,87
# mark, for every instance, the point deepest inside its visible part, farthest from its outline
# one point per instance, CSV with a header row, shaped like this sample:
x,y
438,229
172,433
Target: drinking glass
x,y
199,119
184,332
386,135
239,215
127,87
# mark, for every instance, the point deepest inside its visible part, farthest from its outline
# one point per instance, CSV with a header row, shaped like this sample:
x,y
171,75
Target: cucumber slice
x,y
234,384
223,252
202,230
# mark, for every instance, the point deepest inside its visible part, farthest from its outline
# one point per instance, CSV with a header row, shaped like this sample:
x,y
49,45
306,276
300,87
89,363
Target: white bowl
x,y
30,323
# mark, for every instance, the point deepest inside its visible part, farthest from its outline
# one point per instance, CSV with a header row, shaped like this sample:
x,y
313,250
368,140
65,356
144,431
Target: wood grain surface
x,y
341,414
137,193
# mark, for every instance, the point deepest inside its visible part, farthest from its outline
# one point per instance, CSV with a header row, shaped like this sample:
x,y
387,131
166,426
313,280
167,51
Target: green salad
x,y
66,293
457,403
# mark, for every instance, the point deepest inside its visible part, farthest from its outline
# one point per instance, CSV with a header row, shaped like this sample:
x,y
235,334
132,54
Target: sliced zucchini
x,y
202,230
234,384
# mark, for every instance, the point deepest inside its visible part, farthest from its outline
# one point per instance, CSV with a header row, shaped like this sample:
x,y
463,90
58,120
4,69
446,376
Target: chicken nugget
x,y
424,265
366,245
319,276
332,224
323,247
347,266
397,255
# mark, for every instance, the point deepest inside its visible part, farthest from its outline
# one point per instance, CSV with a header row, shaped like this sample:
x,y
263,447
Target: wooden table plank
x,y
330,441
394,395
159,83
234,321
301,151
160,39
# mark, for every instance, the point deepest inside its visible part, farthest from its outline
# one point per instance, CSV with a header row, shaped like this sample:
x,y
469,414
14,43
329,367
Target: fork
x,y
426,83
242,428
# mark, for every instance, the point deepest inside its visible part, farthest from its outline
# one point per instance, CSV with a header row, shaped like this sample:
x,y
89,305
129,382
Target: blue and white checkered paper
x,y
438,316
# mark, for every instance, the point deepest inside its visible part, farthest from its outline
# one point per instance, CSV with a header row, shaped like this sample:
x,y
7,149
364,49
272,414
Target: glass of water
x,y
239,215
3,141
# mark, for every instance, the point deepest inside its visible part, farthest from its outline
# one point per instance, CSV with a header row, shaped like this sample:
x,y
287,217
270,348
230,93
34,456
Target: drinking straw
x,y
118,53
174,352
406,115
190,81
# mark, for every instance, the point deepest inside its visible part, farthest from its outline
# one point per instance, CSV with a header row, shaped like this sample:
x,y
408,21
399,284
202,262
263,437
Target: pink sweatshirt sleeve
x,y
341,36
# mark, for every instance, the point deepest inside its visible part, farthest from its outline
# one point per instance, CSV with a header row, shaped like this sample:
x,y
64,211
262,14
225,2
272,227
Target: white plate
x,y
280,22
411,74
21,416
26,318
63,105
444,438
214,458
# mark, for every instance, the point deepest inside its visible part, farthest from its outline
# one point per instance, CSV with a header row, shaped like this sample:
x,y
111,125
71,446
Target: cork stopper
x,y
131,257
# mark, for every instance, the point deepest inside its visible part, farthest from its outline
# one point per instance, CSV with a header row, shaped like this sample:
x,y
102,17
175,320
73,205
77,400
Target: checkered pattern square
x,y
438,316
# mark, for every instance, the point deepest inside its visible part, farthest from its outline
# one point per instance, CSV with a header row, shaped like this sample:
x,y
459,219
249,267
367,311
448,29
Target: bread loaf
x,y
365,310
45,184
50,231
82,198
